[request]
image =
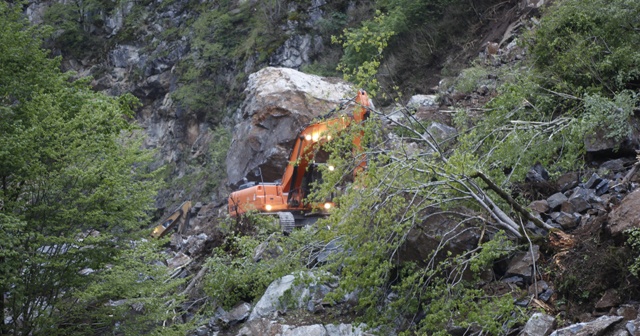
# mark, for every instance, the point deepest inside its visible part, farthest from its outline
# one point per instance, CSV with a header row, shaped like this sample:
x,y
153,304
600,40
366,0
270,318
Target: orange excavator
x,y
287,198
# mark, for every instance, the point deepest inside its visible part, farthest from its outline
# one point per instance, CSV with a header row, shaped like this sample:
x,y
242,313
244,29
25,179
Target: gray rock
x,y
115,22
282,295
540,206
440,132
598,141
516,279
259,327
310,330
35,11
237,314
422,100
176,242
568,181
534,3
522,263
580,199
593,181
425,238
202,331
602,187
297,51
344,330
124,56
546,294
618,331
633,327
555,201
596,327
270,300
626,215
537,173
333,247
180,259
613,166
566,220
609,299
539,325
195,244
268,249
629,312
86,271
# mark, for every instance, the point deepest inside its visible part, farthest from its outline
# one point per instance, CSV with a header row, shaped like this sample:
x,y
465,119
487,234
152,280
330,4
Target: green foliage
x,y
223,37
470,79
458,303
133,297
207,169
589,47
217,156
633,240
75,21
577,91
233,274
611,115
363,51
70,164
376,214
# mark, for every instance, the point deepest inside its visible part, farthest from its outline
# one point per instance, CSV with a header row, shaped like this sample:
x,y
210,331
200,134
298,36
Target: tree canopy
x,y
74,179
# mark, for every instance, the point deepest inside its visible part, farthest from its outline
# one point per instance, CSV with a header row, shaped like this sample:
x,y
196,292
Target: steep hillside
x,y
499,195
188,61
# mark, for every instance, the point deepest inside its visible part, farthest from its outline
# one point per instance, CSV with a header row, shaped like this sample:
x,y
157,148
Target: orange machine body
x,y
289,194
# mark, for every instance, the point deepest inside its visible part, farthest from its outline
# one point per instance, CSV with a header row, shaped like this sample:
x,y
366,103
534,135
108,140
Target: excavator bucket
x,y
178,216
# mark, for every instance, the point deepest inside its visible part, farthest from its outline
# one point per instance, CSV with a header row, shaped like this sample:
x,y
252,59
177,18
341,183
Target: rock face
x,y
522,263
270,301
539,325
283,294
266,327
627,215
595,327
279,103
429,236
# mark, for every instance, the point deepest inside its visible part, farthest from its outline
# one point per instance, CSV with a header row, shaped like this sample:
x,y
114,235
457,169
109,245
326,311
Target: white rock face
x,y
269,83
282,294
280,102
539,325
124,56
270,301
422,100
260,327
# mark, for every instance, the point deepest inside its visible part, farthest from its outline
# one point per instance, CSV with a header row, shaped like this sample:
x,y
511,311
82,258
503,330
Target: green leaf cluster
x,y
363,51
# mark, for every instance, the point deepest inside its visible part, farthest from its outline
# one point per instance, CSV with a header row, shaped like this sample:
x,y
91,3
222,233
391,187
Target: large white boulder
x,y
279,103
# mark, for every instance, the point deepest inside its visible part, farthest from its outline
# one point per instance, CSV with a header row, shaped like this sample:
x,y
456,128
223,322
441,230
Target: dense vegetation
x,y
76,189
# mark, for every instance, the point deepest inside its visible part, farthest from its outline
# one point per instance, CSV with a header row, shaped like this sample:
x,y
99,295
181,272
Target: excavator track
x,y
287,221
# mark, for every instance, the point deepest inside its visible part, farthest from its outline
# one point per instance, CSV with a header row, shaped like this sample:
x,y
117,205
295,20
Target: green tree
x,y
589,46
75,184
